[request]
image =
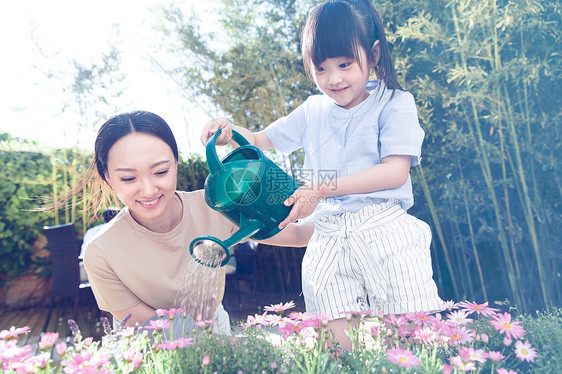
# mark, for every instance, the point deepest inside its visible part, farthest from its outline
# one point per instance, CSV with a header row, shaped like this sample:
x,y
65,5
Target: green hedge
x,y
32,175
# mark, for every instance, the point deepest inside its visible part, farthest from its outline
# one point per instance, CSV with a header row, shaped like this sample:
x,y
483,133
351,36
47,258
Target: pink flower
x,y
13,332
290,328
447,369
402,357
137,360
459,317
405,332
205,324
495,356
298,315
257,319
170,313
279,308
158,325
397,322
126,332
88,341
471,354
459,364
61,348
425,335
356,313
48,340
133,357
478,308
505,371
511,329
275,319
419,318
525,352
449,305
206,361
179,343
86,363
161,312
459,334
10,351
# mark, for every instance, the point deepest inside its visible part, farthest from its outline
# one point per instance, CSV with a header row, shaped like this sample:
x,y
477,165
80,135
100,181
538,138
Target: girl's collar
x,y
342,113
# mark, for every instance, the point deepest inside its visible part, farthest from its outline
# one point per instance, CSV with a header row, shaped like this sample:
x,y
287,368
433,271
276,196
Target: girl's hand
x,y
304,201
213,126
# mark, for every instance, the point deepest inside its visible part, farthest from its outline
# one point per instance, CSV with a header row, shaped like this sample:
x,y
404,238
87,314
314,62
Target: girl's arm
x,y
391,173
259,139
294,235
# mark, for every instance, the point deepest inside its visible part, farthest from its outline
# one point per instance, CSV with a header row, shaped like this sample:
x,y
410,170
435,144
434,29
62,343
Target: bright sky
x,y
66,30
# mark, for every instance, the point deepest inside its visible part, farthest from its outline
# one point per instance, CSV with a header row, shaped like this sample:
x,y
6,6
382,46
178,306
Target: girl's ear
x,y
376,49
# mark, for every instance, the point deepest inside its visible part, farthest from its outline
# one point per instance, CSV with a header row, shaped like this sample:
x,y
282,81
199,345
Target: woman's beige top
x,y
126,263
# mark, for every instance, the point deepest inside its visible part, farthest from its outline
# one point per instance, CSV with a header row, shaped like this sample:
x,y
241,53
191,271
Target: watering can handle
x,y
213,161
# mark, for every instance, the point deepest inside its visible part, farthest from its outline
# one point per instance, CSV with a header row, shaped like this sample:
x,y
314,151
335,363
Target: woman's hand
x,y
213,126
304,201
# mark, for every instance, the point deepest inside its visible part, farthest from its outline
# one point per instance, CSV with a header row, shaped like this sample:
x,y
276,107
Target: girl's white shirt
x,y
339,142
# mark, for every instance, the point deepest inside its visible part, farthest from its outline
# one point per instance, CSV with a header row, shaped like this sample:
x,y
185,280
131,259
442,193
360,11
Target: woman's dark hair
x,y
96,192
338,28
124,124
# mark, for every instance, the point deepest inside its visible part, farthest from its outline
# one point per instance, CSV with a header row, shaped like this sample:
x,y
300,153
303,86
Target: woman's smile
x,y
151,203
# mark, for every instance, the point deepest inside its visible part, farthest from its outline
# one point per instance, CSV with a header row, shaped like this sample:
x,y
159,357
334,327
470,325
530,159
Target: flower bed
x,y
465,337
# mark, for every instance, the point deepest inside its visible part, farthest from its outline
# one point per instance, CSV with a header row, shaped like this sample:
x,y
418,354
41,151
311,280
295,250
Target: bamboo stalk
x,y
65,184
462,262
476,134
55,189
472,238
437,226
507,204
527,206
74,178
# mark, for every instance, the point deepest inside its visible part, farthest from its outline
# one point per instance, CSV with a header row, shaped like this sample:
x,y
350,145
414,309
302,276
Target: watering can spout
x,y
213,252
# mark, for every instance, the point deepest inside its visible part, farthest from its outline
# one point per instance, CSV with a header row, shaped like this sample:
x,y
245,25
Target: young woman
x,y
137,263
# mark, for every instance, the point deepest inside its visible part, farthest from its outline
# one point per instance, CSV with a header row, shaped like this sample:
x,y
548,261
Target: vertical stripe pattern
x,y
374,259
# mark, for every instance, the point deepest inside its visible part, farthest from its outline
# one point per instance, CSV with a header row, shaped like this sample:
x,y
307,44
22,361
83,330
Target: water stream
x,y
202,289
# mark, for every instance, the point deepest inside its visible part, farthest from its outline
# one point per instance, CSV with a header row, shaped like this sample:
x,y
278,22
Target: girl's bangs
x,y
335,35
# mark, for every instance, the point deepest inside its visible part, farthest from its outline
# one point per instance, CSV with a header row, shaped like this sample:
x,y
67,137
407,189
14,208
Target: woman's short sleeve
x,y
110,292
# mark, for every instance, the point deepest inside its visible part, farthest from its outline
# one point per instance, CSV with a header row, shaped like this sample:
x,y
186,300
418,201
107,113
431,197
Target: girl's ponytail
x,y
374,26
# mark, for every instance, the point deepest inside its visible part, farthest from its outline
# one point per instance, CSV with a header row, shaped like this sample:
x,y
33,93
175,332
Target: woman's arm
x,y
391,173
139,313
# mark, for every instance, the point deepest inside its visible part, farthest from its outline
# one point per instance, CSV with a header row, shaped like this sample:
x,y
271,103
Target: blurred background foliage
x,y
486,77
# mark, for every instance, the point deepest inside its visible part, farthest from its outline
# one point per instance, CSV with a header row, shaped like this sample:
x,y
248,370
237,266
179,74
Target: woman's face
x,y
142,171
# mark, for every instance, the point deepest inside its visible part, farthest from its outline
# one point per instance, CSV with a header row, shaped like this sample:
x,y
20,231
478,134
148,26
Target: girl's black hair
x,y
124,124
338,28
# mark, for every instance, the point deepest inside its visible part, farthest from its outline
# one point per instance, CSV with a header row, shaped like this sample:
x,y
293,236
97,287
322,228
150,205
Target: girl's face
x,y
142,171
344,79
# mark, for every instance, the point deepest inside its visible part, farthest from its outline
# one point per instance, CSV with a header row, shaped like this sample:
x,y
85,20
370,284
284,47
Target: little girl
x,y
360,138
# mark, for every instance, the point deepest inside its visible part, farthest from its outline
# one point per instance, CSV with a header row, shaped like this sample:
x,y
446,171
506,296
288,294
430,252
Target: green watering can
x,y
247,188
